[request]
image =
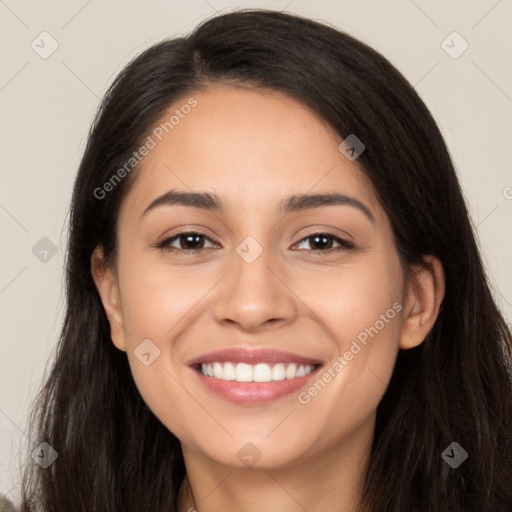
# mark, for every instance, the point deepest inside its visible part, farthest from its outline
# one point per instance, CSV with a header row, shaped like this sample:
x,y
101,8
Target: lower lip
x,y
253,393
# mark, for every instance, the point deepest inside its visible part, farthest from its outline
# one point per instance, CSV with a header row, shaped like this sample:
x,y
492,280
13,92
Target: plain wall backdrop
x,y
58,58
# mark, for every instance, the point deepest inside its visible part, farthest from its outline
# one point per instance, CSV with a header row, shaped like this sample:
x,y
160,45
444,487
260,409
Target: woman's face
x,y
276,281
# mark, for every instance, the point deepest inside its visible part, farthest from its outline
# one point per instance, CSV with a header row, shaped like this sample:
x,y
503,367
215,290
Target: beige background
x,y
46,106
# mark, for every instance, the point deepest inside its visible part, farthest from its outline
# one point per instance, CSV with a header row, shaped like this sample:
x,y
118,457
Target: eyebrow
x,y
291,204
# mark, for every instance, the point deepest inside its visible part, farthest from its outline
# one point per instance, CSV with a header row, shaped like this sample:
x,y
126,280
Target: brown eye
x,y
323,242
189,241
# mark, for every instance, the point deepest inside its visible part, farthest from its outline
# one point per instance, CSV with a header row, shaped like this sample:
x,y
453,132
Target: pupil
x,y
188,238
324,240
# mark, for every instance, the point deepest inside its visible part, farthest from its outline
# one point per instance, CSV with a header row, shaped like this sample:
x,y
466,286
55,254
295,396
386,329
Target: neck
x,y
329,481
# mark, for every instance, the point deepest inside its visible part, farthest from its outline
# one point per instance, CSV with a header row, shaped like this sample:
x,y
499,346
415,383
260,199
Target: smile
x,y
260,372
252,377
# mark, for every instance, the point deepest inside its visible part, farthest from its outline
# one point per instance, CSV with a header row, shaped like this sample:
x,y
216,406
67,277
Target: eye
x,y
188,241
193,241
323,242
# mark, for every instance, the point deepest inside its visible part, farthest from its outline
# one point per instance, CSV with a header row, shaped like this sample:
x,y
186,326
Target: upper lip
x,y
252,356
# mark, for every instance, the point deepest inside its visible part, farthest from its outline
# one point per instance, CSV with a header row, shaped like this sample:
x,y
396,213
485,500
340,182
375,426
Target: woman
x,y
275,297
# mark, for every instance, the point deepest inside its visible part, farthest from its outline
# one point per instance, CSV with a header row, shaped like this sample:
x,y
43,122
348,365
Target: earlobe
x,y
425,292
108,289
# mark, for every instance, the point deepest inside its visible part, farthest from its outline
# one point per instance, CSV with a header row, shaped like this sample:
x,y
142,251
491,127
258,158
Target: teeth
x,y
217,370
243,372
261,372
279,372
291,370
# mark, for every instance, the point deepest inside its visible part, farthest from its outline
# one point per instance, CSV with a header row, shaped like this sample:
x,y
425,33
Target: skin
x,y
252,148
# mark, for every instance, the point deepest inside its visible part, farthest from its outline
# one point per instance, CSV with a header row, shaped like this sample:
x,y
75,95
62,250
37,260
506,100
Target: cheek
x,y
361,308
365,312
160,304
156,298
356,301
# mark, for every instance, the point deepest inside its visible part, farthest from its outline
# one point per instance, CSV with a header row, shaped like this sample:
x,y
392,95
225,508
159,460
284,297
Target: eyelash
x,y
165,244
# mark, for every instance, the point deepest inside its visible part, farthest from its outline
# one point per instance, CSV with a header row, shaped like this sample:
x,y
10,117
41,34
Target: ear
x,y
107,285
425,292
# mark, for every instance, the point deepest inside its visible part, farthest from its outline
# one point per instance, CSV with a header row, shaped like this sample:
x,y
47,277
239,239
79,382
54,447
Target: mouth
x,y
253,377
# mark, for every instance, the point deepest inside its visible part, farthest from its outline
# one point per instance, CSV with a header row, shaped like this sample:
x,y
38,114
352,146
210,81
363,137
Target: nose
x,y
255,296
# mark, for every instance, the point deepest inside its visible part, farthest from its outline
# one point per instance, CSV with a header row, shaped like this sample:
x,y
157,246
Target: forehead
x,y
251,147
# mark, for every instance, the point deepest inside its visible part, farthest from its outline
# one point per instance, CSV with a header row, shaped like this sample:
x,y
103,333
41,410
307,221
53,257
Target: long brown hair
x,y
114,454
